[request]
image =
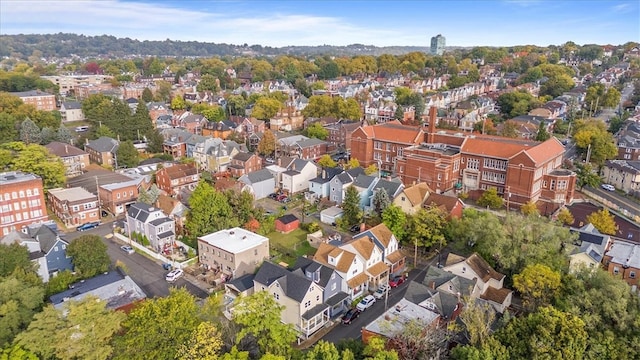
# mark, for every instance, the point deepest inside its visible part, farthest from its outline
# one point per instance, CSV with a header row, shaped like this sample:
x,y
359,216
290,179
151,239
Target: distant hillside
x,y
64,45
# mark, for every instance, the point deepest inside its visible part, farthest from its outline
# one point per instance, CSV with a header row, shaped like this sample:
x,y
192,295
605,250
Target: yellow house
x,y
411,199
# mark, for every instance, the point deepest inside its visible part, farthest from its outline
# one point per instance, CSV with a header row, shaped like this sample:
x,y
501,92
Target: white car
x,y
174,275
382,290
366,303
128,249
608,187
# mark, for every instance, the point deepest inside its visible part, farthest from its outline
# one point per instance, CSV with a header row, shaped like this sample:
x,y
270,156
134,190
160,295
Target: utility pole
x,y
98,192
588,153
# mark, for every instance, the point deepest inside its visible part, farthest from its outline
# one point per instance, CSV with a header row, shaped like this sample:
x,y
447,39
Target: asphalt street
x,y
352,331
147,273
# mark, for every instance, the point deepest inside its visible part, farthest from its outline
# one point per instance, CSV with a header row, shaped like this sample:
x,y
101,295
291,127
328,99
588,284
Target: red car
x,y
396,281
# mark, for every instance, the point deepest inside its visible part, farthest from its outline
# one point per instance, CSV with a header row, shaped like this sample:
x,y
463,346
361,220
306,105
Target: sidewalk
x,y
317,335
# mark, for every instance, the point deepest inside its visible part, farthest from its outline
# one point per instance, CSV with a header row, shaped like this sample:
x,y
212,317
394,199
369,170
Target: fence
x,y
154,254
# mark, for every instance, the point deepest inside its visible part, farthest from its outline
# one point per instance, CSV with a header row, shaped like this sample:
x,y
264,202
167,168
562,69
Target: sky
x,y
333,22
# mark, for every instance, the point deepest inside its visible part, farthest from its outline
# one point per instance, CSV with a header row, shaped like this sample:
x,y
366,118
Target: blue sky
x,y
333,22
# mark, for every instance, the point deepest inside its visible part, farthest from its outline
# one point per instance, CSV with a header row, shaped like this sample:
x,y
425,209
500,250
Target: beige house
x,y
412,199
377,271
75,160
234,252
347,264
302,298
623,174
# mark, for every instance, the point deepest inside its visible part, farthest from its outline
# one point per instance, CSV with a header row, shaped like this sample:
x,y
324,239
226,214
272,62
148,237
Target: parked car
x,y
366,303
285,200
88,226
167,266
608,187
273,196
382,291
174,275
396,281
128,249
355,228
281,197
351,315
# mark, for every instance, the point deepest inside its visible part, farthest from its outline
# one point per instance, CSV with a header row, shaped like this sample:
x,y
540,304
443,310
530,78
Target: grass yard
x,y
287,247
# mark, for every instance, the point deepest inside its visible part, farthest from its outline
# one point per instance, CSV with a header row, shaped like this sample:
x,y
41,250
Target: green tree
x,y
320,106
141,123
352,164
60,282
371,170
492,349
236,105
267,144
542,134
82,330
147,95
163,91
611,98
317,131
205,344
545,334
208,83
323,350
19,301
426,229
603,221
326,161
591,136
491,199
265,108
157,328
210,211
33,158
419,340
586,176
178,103
376,349
47,135
211,112
64,135
30,132
351,211
537,284
477,318
380,201
258,315
8,128
104,131
14,256
396,220
127,155
154,142
89,256
16,352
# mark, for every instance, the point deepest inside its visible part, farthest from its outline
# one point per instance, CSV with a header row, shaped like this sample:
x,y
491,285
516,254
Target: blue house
x,y
53,251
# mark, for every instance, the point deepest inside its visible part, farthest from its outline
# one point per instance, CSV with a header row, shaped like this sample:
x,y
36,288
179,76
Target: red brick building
x,y
520,170
40,99
21,201
74,206
174,178
287,223
244,163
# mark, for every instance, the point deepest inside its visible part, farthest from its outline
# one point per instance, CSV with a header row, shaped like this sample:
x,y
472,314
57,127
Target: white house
x,y
152,223
297,176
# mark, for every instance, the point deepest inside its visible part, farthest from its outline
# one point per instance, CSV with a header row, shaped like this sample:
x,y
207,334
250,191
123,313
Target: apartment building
x,y
21,202
68,84
174,178
75,160
234,252
74,206
40,99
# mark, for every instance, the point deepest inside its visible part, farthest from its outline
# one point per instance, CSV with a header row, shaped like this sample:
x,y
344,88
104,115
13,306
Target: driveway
x,y
148,274
352,331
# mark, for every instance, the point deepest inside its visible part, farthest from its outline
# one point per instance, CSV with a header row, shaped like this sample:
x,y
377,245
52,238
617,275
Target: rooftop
x,y
73,194
393,320
10,177
234,240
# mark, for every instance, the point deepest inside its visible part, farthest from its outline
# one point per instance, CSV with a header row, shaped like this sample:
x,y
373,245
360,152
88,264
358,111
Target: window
x,y
36,192
318,298
55,248
472,164
632,274
21,193
616,270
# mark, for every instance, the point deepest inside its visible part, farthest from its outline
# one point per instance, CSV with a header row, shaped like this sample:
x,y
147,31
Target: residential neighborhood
x,y
449,202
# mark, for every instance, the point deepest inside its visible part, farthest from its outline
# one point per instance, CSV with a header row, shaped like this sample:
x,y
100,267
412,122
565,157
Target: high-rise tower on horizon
x,y
438,43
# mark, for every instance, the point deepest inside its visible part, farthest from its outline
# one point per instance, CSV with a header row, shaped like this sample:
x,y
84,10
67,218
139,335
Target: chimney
x,y
66,148
433,112
324,173
279,162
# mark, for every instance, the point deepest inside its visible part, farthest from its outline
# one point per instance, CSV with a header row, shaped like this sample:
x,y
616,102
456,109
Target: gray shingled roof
x,y
103,144
391,187
140,211
72,105
309,265
260,176
294,286
364,181
46,237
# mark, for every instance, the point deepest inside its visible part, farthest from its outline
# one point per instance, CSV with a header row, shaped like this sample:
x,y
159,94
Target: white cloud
x,y
146,21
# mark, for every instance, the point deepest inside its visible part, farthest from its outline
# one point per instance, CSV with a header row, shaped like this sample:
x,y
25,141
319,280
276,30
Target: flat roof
x,y
234,240
113,287
393,320
72,194
16,176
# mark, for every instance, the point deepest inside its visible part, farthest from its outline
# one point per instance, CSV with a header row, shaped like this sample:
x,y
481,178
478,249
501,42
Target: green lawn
x,y
287,247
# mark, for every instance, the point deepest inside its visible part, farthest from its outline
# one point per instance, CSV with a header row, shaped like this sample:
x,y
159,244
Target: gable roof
x,y
294,286
180,171
546,150
391,187
394,131
417,193
363,245
326,250
480,267
140,211
46,237
495,147
306,264
444,202
260,176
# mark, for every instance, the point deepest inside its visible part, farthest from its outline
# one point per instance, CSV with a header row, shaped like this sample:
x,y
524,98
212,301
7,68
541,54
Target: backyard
x,y
287,247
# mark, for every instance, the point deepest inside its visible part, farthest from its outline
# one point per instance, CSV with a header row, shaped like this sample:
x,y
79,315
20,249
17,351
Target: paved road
x,y
353,331
623,201
148,274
